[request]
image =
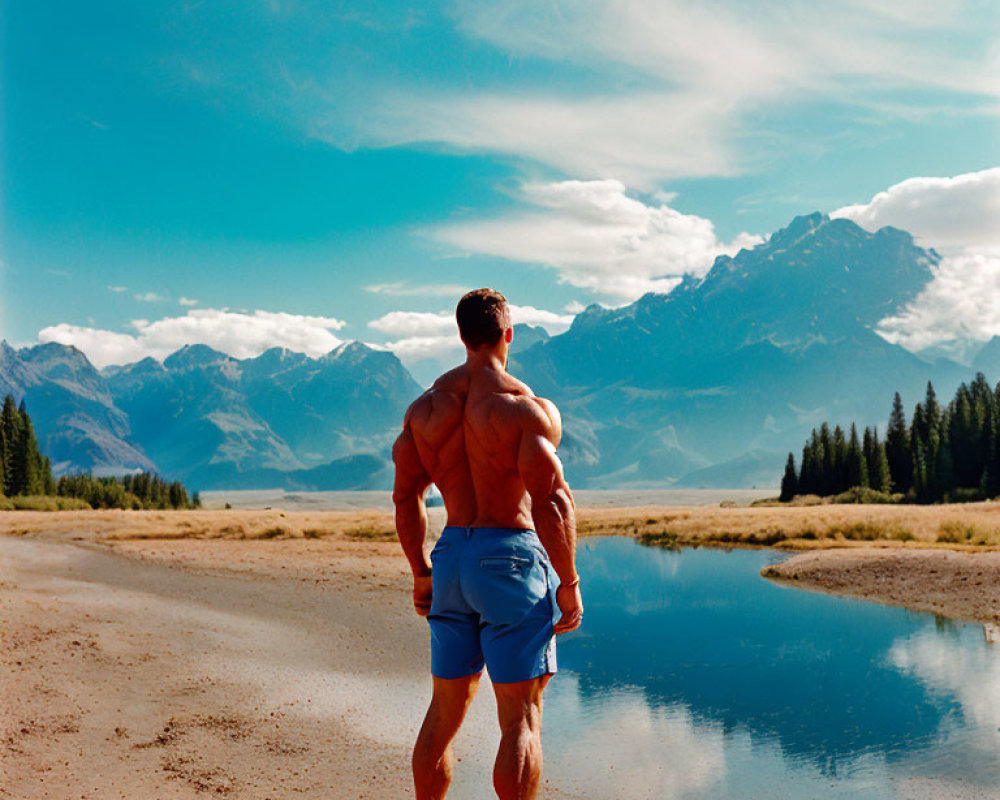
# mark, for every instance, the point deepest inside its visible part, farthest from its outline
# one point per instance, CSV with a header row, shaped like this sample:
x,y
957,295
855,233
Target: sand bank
x,y
959,585
176,668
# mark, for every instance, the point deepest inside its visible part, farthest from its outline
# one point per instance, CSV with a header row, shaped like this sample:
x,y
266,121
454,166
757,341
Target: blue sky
x,y
289,172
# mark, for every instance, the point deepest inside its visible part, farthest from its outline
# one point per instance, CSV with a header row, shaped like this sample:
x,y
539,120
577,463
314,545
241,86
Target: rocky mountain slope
x,y
744,361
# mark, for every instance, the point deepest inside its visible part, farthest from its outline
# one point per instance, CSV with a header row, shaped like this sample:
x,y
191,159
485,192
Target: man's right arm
x,y
410,486
552,509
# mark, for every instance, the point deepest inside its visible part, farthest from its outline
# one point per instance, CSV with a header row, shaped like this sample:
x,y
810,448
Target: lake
x,y
693,677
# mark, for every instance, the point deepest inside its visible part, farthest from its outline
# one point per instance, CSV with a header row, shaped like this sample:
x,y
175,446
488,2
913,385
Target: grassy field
x,y
967,526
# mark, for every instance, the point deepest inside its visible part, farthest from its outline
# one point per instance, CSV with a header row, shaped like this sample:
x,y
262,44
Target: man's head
x,y
483,319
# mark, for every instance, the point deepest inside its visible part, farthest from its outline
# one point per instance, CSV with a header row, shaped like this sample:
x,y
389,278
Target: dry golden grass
x,y
222,524
967,526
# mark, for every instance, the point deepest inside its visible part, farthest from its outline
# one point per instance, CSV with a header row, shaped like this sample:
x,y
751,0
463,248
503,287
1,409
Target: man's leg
x,y
518,767
432,755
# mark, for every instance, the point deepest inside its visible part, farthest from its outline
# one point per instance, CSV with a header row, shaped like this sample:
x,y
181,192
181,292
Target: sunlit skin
x,y
489,445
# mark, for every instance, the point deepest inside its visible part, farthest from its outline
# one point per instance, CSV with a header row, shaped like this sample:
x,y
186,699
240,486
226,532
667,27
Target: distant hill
x,y
746,360
219,422
78,425
281,419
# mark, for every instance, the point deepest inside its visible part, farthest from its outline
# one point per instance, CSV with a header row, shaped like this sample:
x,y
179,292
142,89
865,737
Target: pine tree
x,y
840,478
919,480
827,474
789,483
879,478
963,440
805,471
870,448
817,457
944,473
33,481
47,480
855,469
13,456
932,411
897,448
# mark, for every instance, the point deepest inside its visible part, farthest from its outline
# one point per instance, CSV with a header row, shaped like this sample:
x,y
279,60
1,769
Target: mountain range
x,y
280,419
713,383
709,385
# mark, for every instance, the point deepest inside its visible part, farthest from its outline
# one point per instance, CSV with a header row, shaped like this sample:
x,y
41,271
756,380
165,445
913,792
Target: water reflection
x,y
694,677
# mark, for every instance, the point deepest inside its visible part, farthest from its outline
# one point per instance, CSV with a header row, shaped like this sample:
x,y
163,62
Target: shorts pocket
x,y
505,564
508,587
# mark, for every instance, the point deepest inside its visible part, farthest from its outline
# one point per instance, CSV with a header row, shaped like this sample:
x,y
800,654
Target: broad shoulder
x,y
532,415
432,406
442,403
454,381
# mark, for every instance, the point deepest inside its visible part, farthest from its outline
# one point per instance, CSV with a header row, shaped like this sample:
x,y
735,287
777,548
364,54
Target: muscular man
x,y
494,591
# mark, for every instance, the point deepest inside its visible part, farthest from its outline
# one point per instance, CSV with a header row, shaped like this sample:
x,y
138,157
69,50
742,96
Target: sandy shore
x,y
186,668
265,654
959,585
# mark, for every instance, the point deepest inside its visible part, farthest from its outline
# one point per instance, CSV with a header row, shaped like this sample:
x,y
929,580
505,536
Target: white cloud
x,y
959,307
529,315
240,334
641,139
117,289
404,289
150,297
598,238
187,301
958,214
416,323
423,335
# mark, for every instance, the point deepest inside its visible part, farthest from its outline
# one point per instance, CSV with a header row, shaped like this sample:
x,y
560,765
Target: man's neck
x,y
486,360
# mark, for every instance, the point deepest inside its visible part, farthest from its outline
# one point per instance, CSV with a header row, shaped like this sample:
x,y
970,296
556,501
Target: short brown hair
x,y
482,317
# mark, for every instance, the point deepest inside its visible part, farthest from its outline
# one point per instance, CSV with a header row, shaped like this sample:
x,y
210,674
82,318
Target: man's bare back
x,y
489,445
467,430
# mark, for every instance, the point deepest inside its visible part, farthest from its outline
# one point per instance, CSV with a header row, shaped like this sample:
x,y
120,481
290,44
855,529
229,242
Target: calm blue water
x,y
695,678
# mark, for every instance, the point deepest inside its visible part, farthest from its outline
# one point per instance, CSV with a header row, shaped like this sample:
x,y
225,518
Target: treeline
x,y
943,455
24,471
144,490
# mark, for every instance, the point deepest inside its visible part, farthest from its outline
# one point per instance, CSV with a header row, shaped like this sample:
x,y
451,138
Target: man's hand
x,y
571,604
422,594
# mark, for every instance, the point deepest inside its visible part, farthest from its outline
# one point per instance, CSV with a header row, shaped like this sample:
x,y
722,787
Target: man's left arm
x,y
411,484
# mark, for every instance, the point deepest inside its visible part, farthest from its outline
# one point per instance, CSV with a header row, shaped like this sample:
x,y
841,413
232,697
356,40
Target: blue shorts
x,y
494,602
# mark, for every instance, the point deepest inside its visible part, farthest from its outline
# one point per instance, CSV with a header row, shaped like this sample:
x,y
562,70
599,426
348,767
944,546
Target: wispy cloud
x,y
117,289
690,81
644,91
240,334
149,297
187,301
405,289
597,237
